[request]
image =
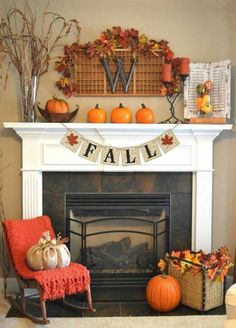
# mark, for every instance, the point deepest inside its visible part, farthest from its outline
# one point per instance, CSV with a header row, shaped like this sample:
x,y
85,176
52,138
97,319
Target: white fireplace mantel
x,y
42,151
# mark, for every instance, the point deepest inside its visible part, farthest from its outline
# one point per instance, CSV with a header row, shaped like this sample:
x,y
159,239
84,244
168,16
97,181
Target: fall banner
x,y
111,155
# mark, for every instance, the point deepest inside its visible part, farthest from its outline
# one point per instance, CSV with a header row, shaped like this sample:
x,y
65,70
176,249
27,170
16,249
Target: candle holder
x,y
171,98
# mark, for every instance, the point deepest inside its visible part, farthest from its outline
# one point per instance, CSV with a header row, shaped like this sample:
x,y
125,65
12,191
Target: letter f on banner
x,y
120,74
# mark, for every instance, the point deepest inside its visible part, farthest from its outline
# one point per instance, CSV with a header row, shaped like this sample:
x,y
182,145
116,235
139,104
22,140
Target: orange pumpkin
x,y
163,293
96,115
56,105
144,115
199,102
121,114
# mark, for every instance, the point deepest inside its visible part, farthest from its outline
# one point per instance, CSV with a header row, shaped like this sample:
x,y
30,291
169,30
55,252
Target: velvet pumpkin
x,y
144,115
96,115
163,293
49,257
56,105
121,114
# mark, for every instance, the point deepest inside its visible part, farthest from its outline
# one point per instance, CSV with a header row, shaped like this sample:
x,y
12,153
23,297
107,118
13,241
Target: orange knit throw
x,y
55,283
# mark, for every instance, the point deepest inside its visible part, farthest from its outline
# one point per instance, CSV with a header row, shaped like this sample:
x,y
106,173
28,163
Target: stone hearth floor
x,y
111,308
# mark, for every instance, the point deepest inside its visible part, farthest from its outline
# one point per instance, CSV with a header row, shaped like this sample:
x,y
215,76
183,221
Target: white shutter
x,y
220,75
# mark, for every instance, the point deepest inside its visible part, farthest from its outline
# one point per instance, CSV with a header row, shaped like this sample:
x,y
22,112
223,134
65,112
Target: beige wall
x,y
202,30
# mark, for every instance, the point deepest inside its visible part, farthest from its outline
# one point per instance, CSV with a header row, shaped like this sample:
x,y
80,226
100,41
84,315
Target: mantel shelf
x,y
23,128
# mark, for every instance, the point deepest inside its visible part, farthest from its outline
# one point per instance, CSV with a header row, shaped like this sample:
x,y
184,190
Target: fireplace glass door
x,y
118,236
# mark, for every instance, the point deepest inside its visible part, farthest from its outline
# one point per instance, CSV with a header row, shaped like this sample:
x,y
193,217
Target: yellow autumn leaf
x,y
155,47
143,39
64,82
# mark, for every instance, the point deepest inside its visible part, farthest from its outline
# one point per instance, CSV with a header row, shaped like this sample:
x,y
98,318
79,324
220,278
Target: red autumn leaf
x,y
72,139
167,140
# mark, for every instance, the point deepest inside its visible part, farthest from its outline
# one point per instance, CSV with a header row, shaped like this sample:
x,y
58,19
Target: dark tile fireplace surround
x,y
56,187
178,184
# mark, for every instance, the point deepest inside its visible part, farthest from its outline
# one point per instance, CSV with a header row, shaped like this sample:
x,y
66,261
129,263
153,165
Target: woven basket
x,y
198,291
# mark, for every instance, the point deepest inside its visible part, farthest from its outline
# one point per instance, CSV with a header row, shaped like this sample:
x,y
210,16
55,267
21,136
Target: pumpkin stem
x,y
97,106
143,106
56,98
121,106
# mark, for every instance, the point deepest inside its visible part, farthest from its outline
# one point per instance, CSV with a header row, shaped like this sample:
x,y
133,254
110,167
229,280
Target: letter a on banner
x,y
110,155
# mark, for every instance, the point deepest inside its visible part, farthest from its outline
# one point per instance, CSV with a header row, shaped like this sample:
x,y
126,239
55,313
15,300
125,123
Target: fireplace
x,y
42,152
120,223
118,236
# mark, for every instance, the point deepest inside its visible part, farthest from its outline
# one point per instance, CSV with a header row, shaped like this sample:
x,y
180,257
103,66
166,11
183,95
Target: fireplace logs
x,y
119,256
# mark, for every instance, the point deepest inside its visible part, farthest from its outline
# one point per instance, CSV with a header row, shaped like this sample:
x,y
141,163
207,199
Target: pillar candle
x,y
184,66
166,73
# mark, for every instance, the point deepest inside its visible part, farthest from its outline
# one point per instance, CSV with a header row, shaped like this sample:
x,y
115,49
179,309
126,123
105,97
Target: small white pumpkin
x,y
48,254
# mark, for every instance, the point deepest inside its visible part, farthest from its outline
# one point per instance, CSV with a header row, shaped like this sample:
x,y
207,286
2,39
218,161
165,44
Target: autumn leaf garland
x,y
106,44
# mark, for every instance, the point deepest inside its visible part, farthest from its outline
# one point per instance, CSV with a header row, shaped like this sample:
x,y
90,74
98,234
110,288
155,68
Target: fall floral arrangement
x,y
216,264
105,46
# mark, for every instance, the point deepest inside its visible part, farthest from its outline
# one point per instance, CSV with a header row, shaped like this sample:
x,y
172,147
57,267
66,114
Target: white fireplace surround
x,y
42,152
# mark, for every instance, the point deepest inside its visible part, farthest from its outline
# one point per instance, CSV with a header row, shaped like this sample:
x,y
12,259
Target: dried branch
x,y
28,49
5,265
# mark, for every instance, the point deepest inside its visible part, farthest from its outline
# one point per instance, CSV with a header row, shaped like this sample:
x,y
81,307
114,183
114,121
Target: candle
x,y
184,66
166,73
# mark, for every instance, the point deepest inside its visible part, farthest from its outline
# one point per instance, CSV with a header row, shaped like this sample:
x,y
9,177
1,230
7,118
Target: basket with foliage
x,y
201,276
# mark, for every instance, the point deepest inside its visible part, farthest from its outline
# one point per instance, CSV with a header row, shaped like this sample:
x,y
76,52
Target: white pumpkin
x,y
48,255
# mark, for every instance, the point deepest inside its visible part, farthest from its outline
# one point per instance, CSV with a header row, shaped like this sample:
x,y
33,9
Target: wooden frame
x,y
90,78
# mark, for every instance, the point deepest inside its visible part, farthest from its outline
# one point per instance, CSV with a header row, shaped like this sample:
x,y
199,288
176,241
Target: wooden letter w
x,y
120,74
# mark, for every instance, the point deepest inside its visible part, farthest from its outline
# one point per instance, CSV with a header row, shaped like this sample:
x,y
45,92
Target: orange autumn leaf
x,y
175,254
162,265
163,91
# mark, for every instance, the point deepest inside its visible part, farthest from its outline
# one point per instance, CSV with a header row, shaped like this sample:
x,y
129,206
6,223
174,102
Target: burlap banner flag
x,y
90,150
71,140
150,150
167,141
130,156
111,155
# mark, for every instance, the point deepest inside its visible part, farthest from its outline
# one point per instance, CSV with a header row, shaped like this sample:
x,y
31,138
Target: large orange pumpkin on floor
x,y
56,105
144,115
96,115
163,293
121,114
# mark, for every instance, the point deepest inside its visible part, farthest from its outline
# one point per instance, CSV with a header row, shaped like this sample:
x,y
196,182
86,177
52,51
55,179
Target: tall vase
x,y
28,89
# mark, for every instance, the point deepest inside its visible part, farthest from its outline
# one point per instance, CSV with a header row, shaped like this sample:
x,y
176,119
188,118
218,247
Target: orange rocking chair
x,y
51,284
